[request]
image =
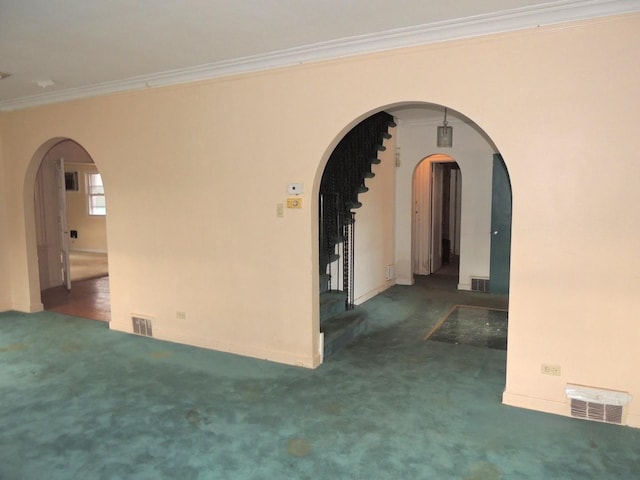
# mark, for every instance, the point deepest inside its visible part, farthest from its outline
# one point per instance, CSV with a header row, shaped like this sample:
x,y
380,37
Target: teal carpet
x,y
81,402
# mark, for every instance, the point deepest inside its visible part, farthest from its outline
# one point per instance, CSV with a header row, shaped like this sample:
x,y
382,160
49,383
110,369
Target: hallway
x,y
82,401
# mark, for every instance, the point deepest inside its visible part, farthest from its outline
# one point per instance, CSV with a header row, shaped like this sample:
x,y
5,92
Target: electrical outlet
x,y
390,272
279,210
548,369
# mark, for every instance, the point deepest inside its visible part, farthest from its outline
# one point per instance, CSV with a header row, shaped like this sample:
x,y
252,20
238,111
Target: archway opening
x,y
437,192
459,233
70,229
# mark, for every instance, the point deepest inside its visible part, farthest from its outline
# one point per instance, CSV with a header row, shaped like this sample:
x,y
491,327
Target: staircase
x,y
347,170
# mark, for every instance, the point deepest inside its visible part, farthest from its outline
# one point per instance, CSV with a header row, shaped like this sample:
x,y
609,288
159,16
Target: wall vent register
x,y
142,326
480,285
597,404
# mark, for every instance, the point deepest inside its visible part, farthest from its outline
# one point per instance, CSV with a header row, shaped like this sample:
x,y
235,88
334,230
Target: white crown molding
x,y
474,26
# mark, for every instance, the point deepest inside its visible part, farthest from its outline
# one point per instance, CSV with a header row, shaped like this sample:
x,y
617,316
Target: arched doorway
x,y
473,151
70,228
469,214
437,188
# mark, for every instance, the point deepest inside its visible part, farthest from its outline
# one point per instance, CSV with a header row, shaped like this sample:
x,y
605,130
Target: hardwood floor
x,y
87,298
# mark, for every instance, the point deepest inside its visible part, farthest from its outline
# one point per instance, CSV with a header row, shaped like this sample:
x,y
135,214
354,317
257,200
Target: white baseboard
x,y
313,360
538,404
372,293
633,420
23,307
554,407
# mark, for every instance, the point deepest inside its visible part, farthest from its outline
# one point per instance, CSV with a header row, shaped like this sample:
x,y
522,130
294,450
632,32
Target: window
x,y
95,194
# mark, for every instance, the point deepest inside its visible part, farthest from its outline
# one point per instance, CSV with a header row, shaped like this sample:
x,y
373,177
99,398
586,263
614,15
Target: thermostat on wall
x,y
295,188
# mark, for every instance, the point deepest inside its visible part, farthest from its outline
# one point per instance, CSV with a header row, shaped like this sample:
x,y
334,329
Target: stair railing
x,y
342,181
348,264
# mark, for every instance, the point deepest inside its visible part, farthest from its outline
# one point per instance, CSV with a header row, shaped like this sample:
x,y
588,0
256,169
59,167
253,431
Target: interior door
x,y
65,268
421,232
437,178
47,225
500,228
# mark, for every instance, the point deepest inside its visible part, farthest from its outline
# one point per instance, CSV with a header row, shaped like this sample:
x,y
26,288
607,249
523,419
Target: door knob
x,y
495,232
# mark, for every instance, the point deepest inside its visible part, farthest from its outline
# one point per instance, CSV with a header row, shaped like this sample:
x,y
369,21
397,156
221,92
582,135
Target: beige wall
x,y
374,231
560,103
5,271
374,228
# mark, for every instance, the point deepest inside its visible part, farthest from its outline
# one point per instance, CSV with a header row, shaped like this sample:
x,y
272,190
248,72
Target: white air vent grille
x,y
142,326
597,404
480,285
596,411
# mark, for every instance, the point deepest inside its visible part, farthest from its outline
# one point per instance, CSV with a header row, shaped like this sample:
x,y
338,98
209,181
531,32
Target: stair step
x,y
343,329
381,148
386,135
332,304
369,174
338,238
375,161
363,189
327,259
353,205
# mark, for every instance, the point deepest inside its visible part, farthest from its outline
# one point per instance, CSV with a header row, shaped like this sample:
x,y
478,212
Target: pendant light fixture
x,y
445,133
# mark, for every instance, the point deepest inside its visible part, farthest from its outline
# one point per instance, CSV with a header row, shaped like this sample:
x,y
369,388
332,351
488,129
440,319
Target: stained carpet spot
x,y
252,394
332,408
14,347
193,417
484,471
72,347
299,447
158,354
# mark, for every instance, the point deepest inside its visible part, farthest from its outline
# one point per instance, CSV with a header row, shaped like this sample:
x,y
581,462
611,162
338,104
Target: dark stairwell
x,y
343,180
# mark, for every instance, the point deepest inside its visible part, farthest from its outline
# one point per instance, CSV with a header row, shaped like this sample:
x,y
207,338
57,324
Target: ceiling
x,y
56,50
